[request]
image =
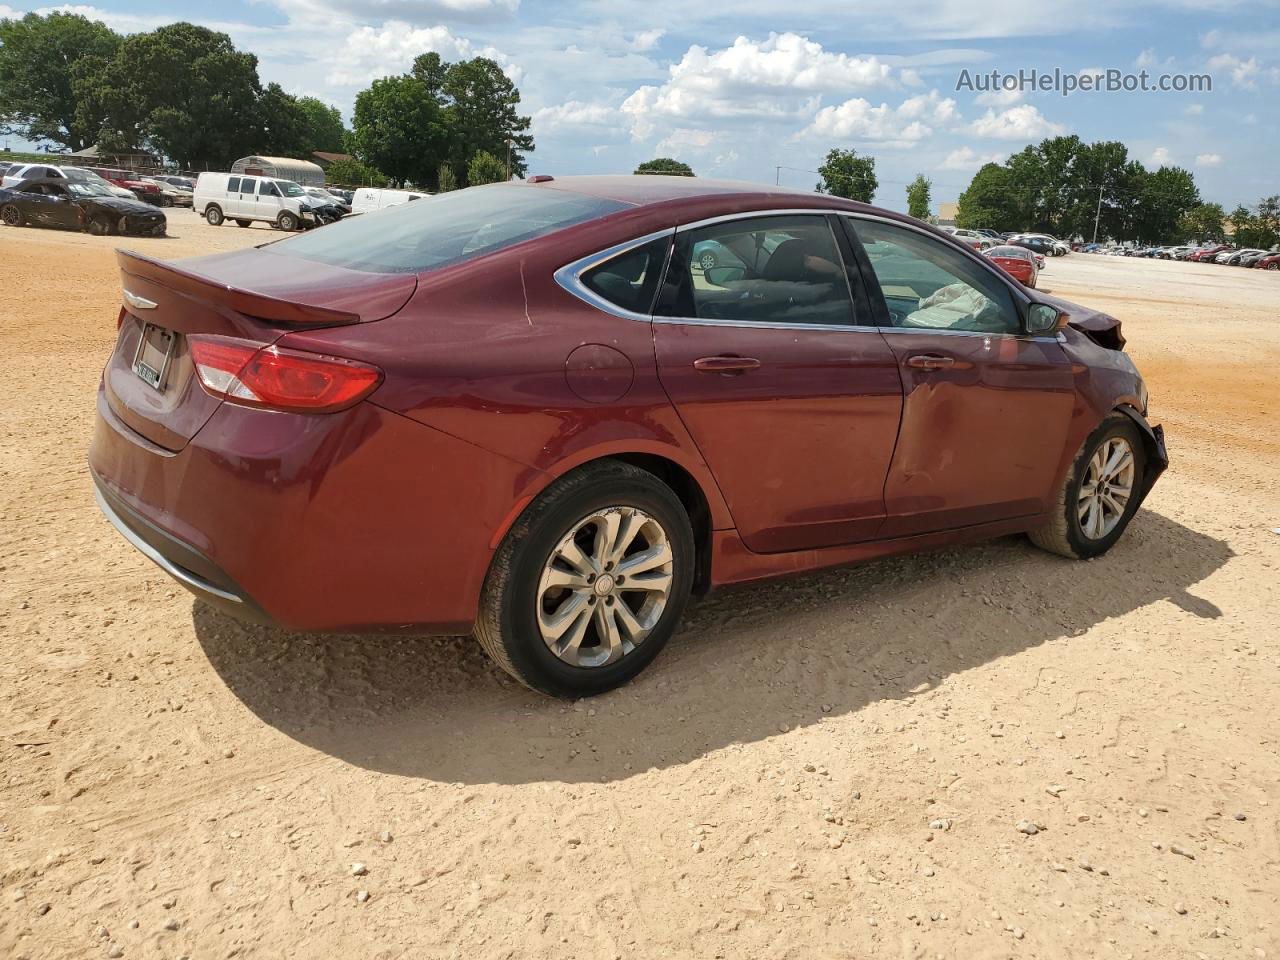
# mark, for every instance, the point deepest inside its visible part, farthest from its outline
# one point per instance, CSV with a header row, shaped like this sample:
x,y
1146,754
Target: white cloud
x,y
1209,160
1243,72
416,12
647,39
1023,122
372,52
911,121
1195,109
999,98
1160,157
910,78
574,113
782,76
966,158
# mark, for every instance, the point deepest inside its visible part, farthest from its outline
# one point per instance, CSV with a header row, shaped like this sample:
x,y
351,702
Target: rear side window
x,y
233,185
446,229
248,185
630,280
777,270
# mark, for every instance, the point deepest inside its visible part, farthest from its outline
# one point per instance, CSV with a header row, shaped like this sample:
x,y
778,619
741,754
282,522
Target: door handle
x,y
930,361
726,364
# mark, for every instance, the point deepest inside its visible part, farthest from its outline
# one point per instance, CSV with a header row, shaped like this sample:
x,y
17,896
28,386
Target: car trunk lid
x,y
245,294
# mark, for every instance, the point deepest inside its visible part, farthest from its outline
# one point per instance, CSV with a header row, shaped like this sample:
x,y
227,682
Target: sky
x,y
756,90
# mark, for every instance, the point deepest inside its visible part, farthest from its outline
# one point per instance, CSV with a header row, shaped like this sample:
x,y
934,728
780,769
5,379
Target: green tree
x,y
481,103
918,192
991,201
1202,222
183,90
38,59
486,168
1165,196
445,180
845,174
665,165
286,130
1259,227
325,131
398,127
354,173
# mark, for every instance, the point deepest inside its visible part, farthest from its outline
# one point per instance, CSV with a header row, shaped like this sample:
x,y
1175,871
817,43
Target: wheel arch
x,y
1157,459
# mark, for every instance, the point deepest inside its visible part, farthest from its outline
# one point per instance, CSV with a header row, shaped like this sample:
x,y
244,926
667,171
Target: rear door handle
x,y
931,361
726,364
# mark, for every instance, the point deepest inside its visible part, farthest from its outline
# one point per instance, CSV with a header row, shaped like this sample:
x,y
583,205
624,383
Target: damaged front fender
x,y
1153,444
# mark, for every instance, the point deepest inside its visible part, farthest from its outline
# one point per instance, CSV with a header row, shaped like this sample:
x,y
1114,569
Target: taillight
x,y
259,376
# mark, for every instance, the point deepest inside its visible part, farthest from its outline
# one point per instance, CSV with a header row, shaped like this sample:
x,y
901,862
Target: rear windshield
x,y
445,229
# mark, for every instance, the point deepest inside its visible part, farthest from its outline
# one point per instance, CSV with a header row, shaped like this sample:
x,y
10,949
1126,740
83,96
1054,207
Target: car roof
x,y
642,190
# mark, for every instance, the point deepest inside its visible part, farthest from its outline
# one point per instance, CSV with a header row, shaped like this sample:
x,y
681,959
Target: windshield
x,y
290,189
85,176
1022,253
85,189
446,229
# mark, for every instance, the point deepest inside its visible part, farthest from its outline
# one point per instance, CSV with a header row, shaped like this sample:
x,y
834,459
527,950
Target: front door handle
x,y
727,364
930,361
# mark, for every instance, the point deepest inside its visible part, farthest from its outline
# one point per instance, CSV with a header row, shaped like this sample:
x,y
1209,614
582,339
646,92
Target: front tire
x,y
589,583
1099,495
213,216
288,222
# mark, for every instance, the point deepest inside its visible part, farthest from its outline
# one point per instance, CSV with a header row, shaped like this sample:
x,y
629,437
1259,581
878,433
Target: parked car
x,y
1251,259
1036,244
170,195
1206,254
973,238
481,411
1234,258
1270,262
1018,262
77,205
134,183
327,207
245,200
369,199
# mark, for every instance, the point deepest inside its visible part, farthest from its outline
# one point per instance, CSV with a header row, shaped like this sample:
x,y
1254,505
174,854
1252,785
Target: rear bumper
x,y
180,560
354,521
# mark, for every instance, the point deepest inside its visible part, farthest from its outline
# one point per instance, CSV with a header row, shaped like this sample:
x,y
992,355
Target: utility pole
x,y
777,177
508,159
1097,214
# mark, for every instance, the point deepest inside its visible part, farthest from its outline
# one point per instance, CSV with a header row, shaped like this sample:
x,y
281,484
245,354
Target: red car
x,y
528,410
147,192
1207,254
1018,262
1268,263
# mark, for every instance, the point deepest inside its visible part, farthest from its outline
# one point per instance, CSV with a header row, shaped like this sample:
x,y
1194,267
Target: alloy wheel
x,y
604,586
1106,488
12,216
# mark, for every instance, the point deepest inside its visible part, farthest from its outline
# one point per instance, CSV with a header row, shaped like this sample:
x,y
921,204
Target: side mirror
x,y
719,276
1043,319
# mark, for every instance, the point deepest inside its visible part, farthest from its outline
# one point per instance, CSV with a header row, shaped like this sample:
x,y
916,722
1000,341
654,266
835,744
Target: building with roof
x,y
302,172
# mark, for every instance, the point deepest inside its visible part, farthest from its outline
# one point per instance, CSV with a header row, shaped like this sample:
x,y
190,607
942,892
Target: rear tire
x,y
577,640
1068,533
213,215
288,222
244,223
11,215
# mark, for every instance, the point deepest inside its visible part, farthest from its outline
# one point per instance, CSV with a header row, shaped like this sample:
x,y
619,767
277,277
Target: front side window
x,y
630,280
446,229
268,189
783,269
930,286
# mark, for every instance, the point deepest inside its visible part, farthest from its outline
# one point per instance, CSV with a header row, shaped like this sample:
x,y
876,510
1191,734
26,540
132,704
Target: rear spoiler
x,y
264,306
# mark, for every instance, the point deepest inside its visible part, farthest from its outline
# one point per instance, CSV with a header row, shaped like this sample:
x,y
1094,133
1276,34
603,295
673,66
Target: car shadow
x,y
747,664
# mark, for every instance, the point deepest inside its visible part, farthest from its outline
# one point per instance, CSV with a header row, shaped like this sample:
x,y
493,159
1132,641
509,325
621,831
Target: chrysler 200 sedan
x,y
534,412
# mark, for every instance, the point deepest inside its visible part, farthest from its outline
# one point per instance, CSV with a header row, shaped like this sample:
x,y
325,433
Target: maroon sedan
x,y
527,410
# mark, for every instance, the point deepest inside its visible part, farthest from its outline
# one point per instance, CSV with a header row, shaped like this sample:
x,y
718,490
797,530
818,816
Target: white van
x,y
368,199
232,196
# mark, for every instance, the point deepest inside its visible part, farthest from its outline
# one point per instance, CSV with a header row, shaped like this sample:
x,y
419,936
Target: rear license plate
x,y
151,362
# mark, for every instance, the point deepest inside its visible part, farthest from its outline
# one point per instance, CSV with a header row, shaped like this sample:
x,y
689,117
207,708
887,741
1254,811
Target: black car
x,y
78,205
1035,244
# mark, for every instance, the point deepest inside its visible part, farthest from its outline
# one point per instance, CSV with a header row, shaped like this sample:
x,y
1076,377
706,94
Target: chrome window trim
x,y
570,275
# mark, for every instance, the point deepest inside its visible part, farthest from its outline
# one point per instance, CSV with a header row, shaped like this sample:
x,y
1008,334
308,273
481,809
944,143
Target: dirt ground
x,y
834,766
